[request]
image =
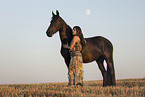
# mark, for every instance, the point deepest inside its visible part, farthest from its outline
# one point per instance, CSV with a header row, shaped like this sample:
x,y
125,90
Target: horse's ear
x,y
53,13
57,13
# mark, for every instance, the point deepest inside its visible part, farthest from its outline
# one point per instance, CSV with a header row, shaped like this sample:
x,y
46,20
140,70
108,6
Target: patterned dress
x,y
76,73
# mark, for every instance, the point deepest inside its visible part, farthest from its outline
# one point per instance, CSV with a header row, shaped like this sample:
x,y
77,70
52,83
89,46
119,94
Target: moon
x,y
88,12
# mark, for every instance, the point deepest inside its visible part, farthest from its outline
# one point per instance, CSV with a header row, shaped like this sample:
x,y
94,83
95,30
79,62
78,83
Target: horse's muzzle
x,y
49,34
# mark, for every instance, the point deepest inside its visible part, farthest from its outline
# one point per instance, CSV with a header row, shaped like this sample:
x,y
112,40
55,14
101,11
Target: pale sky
x,y
27,55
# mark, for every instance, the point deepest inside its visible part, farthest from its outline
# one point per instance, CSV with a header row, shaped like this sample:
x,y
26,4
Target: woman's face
x,y
74,31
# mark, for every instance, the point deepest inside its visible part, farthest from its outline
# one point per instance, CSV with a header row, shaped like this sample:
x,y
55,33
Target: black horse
x,y
96,49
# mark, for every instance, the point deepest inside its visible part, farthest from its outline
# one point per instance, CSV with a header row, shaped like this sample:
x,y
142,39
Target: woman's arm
x,y
75,39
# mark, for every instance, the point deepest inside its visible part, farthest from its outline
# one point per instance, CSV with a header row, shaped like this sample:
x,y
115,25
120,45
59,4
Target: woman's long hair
x,y
80,34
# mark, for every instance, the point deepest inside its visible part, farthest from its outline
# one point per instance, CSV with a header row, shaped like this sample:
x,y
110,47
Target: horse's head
x,y
55,24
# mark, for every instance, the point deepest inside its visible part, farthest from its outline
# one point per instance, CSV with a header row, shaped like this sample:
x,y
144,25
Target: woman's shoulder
x,y
76,38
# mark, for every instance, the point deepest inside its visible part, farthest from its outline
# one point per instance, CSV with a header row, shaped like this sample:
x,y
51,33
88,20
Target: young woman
x,y
76,73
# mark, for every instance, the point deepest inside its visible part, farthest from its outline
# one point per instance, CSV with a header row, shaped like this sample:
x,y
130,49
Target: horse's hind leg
x,y
100,61
110,72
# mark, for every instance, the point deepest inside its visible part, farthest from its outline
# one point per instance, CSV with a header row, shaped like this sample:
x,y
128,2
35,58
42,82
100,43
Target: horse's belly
x,y
87,60
90,55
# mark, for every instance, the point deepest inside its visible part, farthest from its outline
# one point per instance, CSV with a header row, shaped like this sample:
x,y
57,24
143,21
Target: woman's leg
x,y
81,74
80,71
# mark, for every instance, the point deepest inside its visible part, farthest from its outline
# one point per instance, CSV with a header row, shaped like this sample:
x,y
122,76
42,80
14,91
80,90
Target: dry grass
x,y
124,88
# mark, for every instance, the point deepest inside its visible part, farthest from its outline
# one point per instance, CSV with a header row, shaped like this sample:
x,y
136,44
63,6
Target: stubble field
x,y
124,88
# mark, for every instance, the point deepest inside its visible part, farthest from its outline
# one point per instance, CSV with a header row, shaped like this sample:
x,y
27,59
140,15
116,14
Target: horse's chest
x,y
64,52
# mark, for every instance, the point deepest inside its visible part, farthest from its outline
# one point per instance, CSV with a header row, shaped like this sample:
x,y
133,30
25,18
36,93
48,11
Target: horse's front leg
x,y
67,62
65,54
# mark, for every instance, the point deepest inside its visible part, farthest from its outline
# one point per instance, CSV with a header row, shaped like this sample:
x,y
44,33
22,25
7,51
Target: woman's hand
x,y
66,45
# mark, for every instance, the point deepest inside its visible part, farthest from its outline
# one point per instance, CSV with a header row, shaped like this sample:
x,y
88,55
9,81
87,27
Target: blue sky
x,y
27,55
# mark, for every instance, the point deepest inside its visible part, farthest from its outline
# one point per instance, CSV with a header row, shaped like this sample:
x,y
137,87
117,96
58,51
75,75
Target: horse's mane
x,y
69,34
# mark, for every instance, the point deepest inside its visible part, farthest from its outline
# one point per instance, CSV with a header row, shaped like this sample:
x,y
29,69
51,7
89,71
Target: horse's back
x,y
99,41
95,47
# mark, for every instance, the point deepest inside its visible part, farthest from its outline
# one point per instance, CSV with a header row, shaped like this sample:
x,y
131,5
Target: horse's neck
x,y
65,34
